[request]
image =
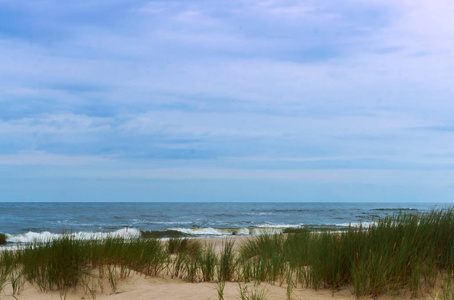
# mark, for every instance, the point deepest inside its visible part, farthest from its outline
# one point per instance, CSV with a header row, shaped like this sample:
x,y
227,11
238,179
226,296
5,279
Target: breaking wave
x,y
39,237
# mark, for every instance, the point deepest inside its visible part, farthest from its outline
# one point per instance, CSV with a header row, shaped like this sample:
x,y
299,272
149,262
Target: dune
x,y
140,287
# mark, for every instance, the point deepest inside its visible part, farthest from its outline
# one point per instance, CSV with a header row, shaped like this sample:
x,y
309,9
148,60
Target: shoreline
x,y
387,260
23,239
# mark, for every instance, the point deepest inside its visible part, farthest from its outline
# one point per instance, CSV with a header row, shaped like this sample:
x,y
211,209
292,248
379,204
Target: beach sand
x,y
139,287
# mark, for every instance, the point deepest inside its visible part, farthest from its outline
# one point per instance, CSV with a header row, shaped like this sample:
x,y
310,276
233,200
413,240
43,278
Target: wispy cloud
x,y
49,159
239,85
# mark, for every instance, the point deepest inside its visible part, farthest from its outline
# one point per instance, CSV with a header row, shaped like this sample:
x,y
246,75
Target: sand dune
x,y
140,288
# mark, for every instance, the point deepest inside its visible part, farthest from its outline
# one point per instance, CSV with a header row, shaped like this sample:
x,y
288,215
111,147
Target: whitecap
x,y
39,237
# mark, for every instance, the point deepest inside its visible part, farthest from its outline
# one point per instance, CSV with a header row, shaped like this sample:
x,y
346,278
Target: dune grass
x,y
208,261
190,247
254,293
410,252
64,263
398,252
227,262
220,289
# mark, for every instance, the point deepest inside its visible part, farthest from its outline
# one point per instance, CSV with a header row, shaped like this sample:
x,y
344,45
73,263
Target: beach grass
x,y
227,262
63,263
208,261
185,246
220,290
251,293
413,252
401,251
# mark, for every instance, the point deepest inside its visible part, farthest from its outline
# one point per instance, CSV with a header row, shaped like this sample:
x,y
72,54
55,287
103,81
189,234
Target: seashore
x,y
146,288
164,287
398,257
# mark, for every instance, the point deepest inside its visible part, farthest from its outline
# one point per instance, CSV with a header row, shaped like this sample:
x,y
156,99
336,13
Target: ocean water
x,y
28,222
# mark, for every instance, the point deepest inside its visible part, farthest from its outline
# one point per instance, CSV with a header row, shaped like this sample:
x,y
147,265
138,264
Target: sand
x,y
139,287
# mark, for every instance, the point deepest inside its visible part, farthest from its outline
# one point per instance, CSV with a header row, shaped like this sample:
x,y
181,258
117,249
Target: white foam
x,y
280,225
169,223
242,231
11,247
260,214
260,229
214,231
33,237
211,231
358,224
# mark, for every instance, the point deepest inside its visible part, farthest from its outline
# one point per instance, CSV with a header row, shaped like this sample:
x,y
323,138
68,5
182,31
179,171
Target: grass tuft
x,y
190,247
220,289
255,293
399,251
227,262
208,262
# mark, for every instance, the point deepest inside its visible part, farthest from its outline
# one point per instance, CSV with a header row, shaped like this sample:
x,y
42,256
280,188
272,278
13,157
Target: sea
x,y
32,222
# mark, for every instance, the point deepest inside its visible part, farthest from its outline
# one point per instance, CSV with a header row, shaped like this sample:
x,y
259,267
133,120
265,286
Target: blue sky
x,y
226,100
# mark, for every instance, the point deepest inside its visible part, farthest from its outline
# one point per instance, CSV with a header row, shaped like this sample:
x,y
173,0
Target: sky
x,y
227,100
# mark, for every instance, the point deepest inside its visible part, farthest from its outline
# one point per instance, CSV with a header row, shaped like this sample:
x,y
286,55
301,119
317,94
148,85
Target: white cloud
x,y
67,123
428,178
247,71
49,159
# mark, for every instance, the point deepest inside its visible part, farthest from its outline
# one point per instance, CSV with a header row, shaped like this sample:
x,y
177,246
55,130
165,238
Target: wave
x,y
280,226
45,236
264,229
256,230
356,224
164,223
39,237
213,231
288,210
396,209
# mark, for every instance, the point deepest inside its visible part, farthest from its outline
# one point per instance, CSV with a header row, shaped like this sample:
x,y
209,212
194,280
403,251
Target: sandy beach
x,y
140,287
